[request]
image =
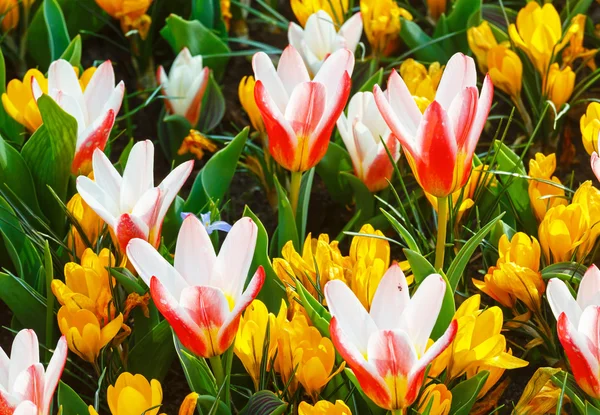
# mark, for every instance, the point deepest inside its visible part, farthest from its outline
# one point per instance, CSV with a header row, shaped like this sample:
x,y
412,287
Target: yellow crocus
x,y
131,13
381,21
436,8
226,13
324,408
440,398
575,49
134,395
478,344
481,39
19,103
9,10
559,84
564,233
250,340
188,406
506,70
337,9
544,196
89,222
85,336
589,124
246,97
540,395
538,32
588,197
516,275
422,82
196,143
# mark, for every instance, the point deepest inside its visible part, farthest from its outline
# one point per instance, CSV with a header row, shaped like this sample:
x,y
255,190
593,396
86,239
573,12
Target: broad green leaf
x,y
416,39
376,79
458,20
215,177
197,372
156,347
208,12
209,405
567,271
465,393
459,263
364,199
590,409
318,315
172,130
127,280
303,203
49,154
57,28
264,403
73,52
286,228
10,129
213,106
271,293
69,401
27,306
419,265
199,39
335,161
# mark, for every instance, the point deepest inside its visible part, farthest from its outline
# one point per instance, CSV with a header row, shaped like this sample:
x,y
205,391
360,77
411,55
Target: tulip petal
x,y
29,384
24,353
26,408
595,162
98,199
138,175
347,309
295,36
351,31
171,185
106,176
392,353
195,95
148,263
291,70
561,300
392,294
589,326
54,371
459,74
589,289
99,90
4,369
461,113
62,77
129,227
333,75
234,259
194,253
420,315
265,72
93,137
305,109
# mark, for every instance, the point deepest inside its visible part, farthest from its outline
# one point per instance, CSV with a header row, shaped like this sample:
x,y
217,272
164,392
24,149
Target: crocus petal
x,y
291,69
24,353
194,253
561,301
265,73
392,294
459,73
99,90
138,175
54,371
148,263
589,288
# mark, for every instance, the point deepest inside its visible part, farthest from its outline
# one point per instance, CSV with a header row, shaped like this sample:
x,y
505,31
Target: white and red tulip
x,y
320,38
202,296
387,347
25,387
94,109
300,114
185,85
578,327
439,144
131,205
362,131
595,161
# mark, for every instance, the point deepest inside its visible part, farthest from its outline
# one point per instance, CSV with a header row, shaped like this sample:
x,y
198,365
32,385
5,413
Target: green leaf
x,y
286,228
9,128
208,12
264,403
49,154
459,263
319,316
213,106
199,39
197,373
127,280
69,401
72,53
458,20
567,271
172,130
335,161
55,22
419,265
415,37
303,203
27,306
271,293
465,393
364,199
215,177
375,79
156,347
590,409
212,406
402,231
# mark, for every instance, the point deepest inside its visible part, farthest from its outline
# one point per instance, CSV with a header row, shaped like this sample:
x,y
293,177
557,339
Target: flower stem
x,y
397,411
440,246
295,190
524,114
217,367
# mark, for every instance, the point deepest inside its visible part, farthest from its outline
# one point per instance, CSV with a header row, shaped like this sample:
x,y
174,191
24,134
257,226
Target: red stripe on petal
x,y
82,162
381,170
127,229
5,407
193,112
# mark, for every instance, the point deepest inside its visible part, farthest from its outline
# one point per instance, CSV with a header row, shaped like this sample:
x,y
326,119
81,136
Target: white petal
x,y
352,31
97,199
99,89
291,70
62,77
106,176
561,301
265,72
589,289
459,73
54,371
24,353
390,300
138,176
26,408
171,185
195,256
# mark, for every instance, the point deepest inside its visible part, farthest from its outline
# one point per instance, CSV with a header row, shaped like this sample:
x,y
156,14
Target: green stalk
x,y
295,190
217,367
440,246
49,300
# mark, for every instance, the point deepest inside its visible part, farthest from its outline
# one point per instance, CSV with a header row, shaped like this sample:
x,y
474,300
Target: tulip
x,y
381,19
246,97
559,84
564,233
132,14
94,110
440,398
303,9
89,222
436,8
202,296
538,32
422,83
130,205
386,351
25,388
595,163
19,103
185,85
250,340
300,114
324,408
589,124
320,38
575,49
506,70
544,196
134,395
363,131
481,39
9,10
